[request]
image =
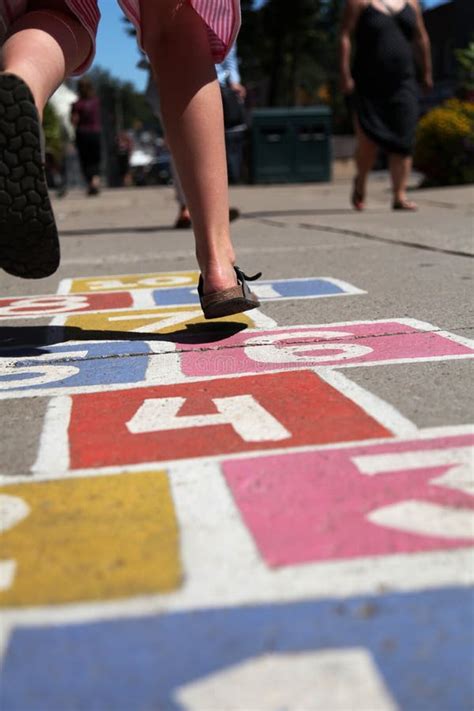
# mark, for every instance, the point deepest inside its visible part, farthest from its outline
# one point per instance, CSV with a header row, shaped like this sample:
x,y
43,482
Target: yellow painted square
x,y
126,282
169,319
93,538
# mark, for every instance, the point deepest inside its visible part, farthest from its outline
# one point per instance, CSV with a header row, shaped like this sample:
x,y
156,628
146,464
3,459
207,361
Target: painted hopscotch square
x,y
82,364
162,320
128,282
268,290
91,538
402,496
209,418
334,345
42,306
413,651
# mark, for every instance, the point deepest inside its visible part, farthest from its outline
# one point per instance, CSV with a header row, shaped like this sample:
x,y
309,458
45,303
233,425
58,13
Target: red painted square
x,y
310,410
35,306
350,502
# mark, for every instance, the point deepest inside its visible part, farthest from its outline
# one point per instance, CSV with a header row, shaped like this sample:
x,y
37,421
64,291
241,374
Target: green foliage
x,y
465,58
52,132
290,48
444,149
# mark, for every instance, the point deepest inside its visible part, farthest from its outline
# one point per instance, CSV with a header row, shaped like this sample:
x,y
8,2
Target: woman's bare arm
x,y
350,16
422,43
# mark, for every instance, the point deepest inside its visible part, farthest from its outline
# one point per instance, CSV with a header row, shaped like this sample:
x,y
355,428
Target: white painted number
x,y
44,305
159,321
424,517
331,679
12,511
269,350
155,282
248,418
41,374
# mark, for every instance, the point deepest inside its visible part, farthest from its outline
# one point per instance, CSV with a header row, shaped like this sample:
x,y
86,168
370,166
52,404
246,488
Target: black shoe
x,y
29,245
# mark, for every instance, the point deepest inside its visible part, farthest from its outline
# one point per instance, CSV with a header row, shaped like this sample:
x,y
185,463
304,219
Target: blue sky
x,y
118,53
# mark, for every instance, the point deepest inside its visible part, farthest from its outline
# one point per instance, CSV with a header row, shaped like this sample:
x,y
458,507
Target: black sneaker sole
x,y
29,245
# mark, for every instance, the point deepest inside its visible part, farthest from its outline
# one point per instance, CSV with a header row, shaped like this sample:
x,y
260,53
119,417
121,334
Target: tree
x,y
290,50
121,102
277,46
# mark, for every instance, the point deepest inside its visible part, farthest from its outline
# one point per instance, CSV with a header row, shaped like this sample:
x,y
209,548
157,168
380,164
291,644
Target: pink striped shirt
x,y
222,18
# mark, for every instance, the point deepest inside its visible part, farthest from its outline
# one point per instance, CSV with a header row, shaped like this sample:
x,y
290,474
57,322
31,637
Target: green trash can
x,y
291,145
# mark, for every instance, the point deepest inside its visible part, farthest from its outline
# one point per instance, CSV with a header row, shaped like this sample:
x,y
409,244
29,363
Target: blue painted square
x,y
281,288
306,288
91,363
421,643
176,296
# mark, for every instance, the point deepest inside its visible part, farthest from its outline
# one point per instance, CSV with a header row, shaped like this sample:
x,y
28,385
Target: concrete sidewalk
x,y
267,511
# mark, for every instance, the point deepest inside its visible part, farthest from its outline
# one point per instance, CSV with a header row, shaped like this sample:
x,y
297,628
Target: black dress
x,y
386,95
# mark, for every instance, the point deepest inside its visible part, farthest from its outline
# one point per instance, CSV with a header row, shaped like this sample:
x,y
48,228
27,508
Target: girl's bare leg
x,y
176,41
400,169
43,47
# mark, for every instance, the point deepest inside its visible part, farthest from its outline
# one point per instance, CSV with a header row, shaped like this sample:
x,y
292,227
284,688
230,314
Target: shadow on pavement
x,y
15,340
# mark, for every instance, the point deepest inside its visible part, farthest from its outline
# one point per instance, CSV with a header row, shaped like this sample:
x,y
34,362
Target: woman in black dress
x,y
382,86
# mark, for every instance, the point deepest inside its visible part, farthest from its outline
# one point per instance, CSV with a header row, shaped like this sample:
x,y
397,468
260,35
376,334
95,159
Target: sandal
x,y
405,205
29,245
357,198
229,301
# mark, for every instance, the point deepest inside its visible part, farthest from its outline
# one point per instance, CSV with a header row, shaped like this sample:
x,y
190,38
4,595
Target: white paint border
x,y
53,450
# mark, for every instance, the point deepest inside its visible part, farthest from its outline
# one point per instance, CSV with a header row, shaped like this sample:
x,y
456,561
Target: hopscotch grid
x,y
314,584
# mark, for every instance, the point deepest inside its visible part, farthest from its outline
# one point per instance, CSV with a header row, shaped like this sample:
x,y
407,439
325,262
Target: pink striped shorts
x,y
222,18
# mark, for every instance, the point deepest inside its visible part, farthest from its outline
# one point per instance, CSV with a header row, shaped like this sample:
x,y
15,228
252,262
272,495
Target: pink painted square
x,y
334,345
339,502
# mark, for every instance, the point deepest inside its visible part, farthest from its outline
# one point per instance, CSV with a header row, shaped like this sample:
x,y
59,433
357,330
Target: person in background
x,y
228,76
85,117
382,87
